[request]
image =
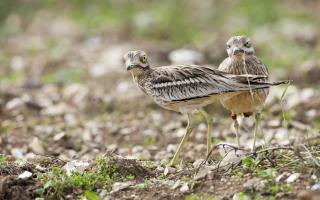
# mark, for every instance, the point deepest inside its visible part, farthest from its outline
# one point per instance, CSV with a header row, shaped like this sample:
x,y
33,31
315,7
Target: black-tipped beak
x,y
238,51
129,67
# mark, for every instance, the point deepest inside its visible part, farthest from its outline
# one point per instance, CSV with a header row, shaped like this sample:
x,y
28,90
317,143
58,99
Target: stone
x,y
75,166
25,175
169,170
117,186
203,172
16,105
37,146
184,188
59,136
176,185
292,178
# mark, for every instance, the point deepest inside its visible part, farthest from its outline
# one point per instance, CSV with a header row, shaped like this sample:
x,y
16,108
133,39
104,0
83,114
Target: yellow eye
x,y
143,58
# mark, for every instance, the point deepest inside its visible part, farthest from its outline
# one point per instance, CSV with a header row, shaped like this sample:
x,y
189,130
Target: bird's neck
x,y
241,65
241,58
141,75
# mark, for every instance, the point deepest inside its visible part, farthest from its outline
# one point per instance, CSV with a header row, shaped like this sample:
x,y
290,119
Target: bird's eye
x,y
247,44
228,46
143,58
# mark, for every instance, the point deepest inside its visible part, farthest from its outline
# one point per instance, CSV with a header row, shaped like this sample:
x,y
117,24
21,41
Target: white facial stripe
x,y
246,49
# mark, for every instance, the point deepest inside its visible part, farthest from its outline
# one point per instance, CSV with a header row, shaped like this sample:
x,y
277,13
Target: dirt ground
x,y
75,126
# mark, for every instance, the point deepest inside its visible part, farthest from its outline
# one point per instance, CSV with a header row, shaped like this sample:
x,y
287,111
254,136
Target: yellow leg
x,y
183,141
209,124
237,127
257,129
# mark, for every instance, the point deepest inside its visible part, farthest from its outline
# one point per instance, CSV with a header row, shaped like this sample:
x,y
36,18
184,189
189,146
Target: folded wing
x,y
176,83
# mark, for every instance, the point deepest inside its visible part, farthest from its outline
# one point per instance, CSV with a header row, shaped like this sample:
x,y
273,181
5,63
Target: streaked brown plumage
x,y
246,102
187,88
184,88
242,60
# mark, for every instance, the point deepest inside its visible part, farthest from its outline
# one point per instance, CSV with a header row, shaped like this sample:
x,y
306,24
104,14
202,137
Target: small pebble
x,y
184,188
176,185
120,186
25,175
169,170
292,178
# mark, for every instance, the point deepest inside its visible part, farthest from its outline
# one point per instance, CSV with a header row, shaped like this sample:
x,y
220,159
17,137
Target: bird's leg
x,y
257,128
183,141
236,127
209,125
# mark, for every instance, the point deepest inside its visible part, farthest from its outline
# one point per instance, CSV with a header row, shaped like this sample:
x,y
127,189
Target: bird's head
x,y
239,45
136,62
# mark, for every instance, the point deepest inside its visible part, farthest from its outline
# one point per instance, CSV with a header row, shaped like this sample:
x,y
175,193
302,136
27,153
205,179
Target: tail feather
x,y
255,85
255,79
270,83
246,77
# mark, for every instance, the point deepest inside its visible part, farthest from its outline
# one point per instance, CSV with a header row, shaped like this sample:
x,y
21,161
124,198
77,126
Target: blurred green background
x,y
285,33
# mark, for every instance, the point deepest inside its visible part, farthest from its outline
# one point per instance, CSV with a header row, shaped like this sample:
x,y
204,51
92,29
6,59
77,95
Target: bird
x,y
187,88
242,60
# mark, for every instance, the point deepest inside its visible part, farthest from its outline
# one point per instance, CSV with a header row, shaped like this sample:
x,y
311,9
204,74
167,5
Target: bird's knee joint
x,y
258,115
234,116
189,129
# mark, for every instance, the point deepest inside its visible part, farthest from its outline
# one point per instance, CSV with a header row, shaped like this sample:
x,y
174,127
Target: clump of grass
x,y
149,141
268,186
2,159
268,167
57,184
245,195
272,186
199,197
250,164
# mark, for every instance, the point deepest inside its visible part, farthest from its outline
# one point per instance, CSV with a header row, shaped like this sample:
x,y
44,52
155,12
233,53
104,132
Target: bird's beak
x,y
130,66
237,50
